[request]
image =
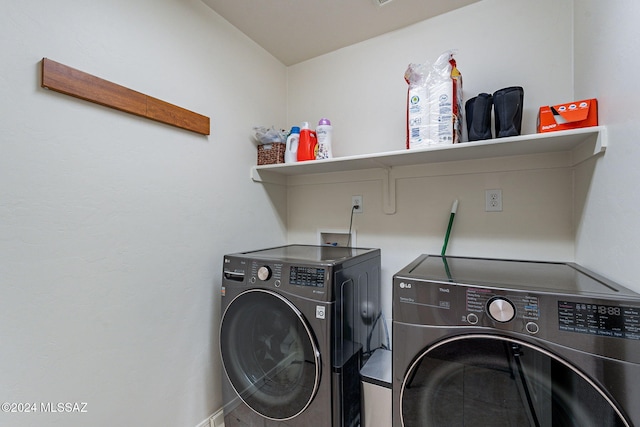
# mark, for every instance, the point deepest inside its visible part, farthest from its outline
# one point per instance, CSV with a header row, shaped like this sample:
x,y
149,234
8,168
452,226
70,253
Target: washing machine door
x,y
488,380
269,354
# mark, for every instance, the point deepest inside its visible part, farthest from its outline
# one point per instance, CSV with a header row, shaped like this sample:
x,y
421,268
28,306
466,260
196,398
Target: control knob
x,y
501,309
532,328
472,318
264,273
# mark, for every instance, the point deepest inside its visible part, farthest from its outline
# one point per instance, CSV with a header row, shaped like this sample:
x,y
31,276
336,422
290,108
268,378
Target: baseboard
x,y
214,420
204,423
217,419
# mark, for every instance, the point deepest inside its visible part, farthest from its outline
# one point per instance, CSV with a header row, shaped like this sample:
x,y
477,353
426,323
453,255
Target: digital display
x,y
599,319
307,276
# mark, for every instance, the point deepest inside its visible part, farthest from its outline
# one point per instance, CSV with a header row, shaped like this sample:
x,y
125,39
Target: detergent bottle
x,y
323,132
291,149
307,144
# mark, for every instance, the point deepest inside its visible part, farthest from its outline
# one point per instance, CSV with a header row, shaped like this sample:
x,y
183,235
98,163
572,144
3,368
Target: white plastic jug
x,y
291,148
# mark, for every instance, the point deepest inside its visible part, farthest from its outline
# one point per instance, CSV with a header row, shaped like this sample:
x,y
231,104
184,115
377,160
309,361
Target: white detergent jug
x,y
291,148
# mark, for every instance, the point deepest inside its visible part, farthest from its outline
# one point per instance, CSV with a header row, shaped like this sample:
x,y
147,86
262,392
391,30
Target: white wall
x,y
113,227
607,54
361,89
499,43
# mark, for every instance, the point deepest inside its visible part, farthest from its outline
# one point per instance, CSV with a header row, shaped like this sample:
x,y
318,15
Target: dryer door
x,y
490,380
269,354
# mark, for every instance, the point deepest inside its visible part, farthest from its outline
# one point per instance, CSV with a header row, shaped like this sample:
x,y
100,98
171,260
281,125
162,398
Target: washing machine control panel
x,y
309,281
264,273
297,275
307,276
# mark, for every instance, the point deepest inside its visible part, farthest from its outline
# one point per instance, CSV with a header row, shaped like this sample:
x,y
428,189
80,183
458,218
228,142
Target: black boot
x,y
507,104
478,111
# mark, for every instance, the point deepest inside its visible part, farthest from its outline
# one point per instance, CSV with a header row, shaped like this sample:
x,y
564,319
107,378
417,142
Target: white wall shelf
x,y
580,143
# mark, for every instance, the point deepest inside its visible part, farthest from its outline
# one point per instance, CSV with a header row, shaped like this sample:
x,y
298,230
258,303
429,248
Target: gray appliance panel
x,y
337,290
586,312
540,276
590,322
310,253
302,270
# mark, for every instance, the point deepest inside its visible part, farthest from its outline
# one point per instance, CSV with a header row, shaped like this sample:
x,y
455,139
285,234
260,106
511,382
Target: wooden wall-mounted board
x,y
67,80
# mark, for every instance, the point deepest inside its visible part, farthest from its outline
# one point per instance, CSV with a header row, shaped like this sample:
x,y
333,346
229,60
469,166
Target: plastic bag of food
x,y
434,102
264,135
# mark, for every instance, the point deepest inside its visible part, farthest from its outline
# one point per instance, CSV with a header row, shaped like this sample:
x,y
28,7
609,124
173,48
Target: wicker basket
x,y
269,154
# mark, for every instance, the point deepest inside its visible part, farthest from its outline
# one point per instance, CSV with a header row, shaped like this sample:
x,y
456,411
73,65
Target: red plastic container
x,y
307,144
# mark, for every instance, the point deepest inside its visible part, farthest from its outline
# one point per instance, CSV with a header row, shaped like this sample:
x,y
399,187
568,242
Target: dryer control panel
x,y
607,320
532,314
502,306
424,302
556,302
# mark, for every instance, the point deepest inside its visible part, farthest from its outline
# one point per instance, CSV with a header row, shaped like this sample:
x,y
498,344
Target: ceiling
x,y
296,30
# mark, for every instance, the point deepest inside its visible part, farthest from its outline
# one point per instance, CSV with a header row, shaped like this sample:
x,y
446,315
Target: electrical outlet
x,y
493,200
356,201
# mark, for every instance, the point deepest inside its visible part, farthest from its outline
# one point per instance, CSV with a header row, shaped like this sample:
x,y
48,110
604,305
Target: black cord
x,y
386,346
353,208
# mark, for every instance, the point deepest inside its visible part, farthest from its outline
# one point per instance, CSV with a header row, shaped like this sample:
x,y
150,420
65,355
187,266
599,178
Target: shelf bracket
x,y
267,177
593,145
601,141
388,178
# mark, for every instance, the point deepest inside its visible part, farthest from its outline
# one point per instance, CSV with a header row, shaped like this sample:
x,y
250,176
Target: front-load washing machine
x,y
297,324
488,342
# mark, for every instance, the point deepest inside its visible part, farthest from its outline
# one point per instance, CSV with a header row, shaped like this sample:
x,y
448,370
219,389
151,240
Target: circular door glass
x,y
269,354
486,380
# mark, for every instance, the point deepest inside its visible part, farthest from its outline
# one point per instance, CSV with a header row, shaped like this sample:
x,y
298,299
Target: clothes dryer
x,y
297,323
492,342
